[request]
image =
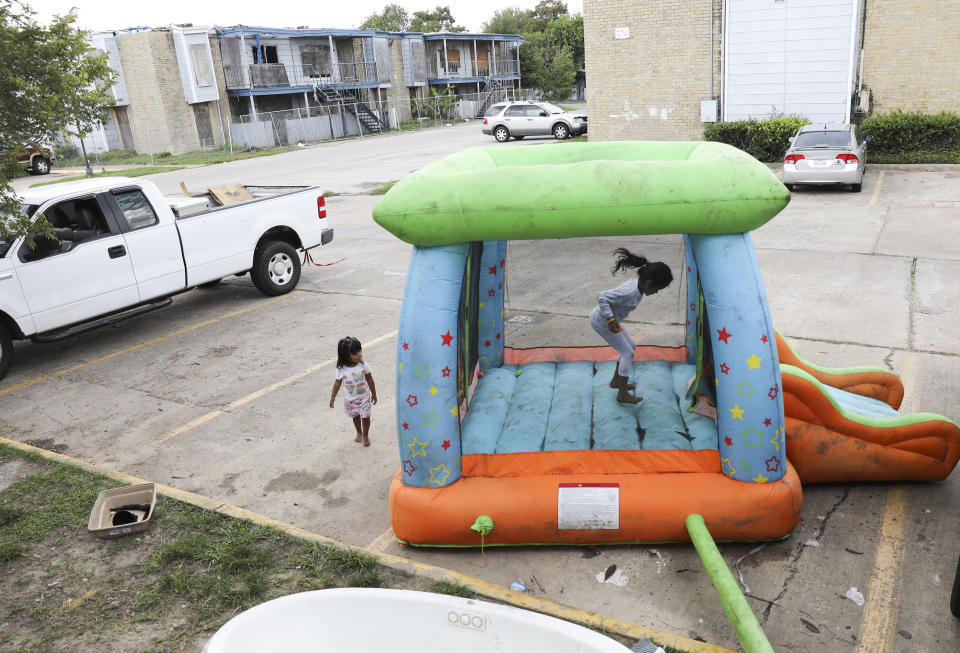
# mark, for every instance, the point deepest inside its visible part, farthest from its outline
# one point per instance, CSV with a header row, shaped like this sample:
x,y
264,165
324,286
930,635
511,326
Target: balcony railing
x,y
273,75
457,69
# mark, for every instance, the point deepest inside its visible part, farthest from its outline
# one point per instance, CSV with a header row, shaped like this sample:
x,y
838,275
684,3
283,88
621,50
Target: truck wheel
x,y
6,350
41,165
276,268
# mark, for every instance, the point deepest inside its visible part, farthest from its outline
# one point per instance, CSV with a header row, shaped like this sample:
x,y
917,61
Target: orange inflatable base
x,y
653,508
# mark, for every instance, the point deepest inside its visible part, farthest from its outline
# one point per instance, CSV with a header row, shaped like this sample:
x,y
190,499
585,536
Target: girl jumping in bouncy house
x,y
613,306
358,387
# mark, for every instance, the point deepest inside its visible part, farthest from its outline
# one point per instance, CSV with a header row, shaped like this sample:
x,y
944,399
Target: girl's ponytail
x,y
627,259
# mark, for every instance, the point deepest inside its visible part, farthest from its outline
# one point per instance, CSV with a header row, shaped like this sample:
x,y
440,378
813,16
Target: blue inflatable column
x,y
490,288
749,402
428,417
692,336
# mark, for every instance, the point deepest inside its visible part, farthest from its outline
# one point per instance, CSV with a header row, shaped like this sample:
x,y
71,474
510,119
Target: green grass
x,y
206,157
382,190
130,172
453,589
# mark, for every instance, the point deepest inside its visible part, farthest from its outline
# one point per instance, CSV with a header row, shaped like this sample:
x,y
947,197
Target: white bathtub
x,y
399,621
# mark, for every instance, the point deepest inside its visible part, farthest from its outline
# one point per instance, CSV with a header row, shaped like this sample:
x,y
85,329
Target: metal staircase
x,y
492,92
367,118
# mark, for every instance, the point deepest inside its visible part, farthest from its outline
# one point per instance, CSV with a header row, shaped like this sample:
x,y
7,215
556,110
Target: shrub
x,y
765,140
914,136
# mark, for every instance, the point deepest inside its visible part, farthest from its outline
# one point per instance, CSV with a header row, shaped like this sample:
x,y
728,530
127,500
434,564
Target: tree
x,y
50,83
568,31
547,66
545,13
438,20
511,20
393,18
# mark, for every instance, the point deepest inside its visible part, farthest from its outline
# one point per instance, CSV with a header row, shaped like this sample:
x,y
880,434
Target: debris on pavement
x,y
855,595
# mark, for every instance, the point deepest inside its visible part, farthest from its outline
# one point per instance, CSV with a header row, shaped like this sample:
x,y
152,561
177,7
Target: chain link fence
x,y
349,118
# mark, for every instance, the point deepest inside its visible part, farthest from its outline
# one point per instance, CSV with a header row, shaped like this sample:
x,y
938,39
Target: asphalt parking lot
x,y
225,394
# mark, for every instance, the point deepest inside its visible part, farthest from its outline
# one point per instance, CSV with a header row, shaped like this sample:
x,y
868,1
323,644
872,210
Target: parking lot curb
x,y
486,589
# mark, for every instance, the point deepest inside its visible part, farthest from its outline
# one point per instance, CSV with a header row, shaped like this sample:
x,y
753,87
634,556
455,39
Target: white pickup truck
x,y
121,249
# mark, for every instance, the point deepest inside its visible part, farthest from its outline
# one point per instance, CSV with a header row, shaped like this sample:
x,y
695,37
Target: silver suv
x,y
506,120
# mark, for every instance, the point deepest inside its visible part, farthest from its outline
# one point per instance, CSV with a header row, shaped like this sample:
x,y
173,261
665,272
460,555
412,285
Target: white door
x,y
153,245
538,120
89,275
515,118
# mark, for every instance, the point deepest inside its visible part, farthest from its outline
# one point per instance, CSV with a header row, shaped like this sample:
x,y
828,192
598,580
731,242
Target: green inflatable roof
x,y
569,190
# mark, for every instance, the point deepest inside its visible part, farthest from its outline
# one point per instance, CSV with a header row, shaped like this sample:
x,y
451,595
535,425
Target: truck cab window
x,y
136,208
72,223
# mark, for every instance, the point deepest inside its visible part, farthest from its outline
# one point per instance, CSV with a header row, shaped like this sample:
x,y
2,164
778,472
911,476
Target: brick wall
x,y
912,55
160,118
649,86
398,92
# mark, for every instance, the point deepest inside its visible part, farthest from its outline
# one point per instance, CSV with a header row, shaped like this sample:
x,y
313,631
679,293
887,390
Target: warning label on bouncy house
x,y
588,506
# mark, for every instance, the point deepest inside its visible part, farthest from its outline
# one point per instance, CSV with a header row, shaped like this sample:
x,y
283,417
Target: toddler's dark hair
x,y
658,272
345,347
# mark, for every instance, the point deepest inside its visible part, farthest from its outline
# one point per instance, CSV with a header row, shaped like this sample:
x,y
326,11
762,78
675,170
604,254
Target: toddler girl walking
x,y
358,387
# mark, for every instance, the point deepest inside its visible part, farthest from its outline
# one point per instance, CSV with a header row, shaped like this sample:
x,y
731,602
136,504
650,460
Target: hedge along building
x,y
667,68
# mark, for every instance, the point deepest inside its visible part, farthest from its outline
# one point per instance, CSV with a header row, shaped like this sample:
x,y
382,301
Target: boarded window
x,y
419,62
202,70
316,60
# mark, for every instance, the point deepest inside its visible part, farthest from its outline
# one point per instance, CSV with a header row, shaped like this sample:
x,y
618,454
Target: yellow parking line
x,y
876,191
880,614
47,377
203,419
381,541
908,376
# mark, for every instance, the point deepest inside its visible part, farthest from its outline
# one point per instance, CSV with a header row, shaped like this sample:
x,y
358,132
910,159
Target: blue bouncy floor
x,y
571,406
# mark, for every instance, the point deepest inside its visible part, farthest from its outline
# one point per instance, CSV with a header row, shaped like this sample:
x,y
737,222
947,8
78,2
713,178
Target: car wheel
x,y
41,165
276,268
856,188
502,134
560,131
6,350
210,284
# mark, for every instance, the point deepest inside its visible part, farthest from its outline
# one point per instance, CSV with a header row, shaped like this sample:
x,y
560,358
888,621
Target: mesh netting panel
x,y
552,285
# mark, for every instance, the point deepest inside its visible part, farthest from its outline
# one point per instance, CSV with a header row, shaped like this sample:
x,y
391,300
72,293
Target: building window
x,y
268,54
202,70
316,60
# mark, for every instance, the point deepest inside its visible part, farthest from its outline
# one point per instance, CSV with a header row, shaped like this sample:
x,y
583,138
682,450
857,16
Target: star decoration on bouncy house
x,y
727,467
445,445
416,443
411,400
430,419
728,441
493,269
760,478
408,467
724,368
491,292
749,434
773,392
723,335
736,411
745,389
405,426
773,464
766,421
487,343
764,339
438,475
433,390
447,339
445,371
754,362
422,371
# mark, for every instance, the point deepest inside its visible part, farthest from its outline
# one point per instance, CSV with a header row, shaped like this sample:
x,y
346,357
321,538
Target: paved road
x,y
225,394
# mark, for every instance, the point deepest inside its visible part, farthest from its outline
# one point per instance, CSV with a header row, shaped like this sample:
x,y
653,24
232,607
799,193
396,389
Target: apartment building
x,y
187,88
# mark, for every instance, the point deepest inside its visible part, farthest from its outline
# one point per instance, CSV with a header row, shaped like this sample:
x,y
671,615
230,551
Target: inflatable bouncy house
x,y
509,432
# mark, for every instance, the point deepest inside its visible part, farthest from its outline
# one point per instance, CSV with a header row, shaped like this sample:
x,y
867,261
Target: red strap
x,y
307,258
